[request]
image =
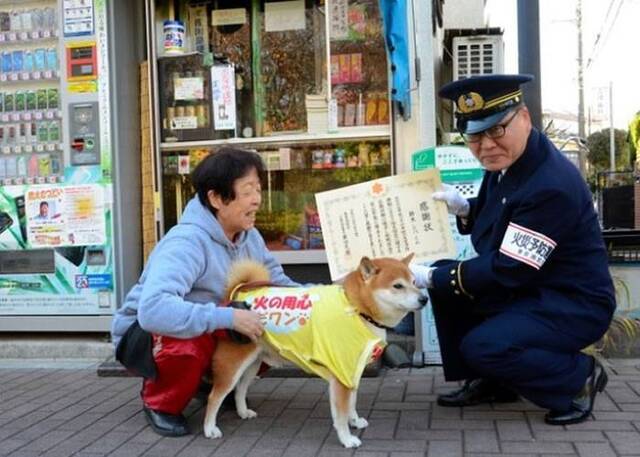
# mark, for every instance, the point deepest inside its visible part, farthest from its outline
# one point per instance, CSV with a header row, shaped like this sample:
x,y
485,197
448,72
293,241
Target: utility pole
x,y
612,132
581,134
529,56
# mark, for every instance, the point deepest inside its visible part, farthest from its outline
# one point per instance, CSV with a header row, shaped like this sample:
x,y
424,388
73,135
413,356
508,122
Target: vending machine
x,y
68,159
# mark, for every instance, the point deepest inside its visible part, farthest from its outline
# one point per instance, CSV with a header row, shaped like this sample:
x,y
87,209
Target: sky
x,y
614,59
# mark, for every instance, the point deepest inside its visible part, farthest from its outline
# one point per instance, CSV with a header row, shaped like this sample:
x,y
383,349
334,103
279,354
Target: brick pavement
x,y
65,412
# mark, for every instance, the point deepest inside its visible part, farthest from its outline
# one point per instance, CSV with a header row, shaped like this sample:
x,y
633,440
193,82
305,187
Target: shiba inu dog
x,y
332,331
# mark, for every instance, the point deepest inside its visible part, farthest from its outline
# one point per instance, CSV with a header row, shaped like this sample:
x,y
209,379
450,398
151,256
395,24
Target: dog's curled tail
x,y
243,272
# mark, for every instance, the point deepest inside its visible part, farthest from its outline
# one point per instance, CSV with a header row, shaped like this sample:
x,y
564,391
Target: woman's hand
x,y
248,323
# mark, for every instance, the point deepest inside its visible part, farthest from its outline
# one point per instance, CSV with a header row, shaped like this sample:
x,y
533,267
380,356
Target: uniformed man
x,y
513,319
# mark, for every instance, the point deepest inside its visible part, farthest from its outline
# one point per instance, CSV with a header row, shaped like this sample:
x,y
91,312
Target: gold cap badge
x,y
468,103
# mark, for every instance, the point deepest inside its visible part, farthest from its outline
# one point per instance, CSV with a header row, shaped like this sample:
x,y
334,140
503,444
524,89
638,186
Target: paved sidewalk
x,y
64,412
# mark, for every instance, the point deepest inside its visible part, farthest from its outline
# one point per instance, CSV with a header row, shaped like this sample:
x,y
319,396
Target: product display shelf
x,y
356,133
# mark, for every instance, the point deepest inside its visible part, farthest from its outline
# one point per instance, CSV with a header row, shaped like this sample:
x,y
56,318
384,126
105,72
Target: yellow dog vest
x,y
317,329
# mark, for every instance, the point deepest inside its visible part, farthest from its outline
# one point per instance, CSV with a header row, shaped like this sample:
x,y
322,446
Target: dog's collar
x,y
370,320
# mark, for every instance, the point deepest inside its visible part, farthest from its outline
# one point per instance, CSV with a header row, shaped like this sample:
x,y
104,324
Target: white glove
x,y
456,203
422,275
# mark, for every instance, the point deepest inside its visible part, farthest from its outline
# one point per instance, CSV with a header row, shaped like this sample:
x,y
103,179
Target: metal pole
x,y
612,133
581,133
529,56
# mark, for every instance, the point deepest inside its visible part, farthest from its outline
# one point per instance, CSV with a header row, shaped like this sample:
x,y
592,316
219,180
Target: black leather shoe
x,y
167,424
477,391
582,405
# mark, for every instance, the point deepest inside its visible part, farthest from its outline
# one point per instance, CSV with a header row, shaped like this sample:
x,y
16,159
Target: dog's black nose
x,y
423,300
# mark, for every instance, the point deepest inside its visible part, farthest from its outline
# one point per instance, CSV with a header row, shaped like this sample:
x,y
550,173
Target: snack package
x,y
350,114
383,109
356,68
335,70
371,110
345,68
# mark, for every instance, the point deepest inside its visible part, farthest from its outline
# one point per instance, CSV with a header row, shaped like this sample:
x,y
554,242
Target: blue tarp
x,y
394,19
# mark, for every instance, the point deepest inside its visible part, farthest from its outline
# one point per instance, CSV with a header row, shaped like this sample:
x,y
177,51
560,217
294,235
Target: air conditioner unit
x,y
477,55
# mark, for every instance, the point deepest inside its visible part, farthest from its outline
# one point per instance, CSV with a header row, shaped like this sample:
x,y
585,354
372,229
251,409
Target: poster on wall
x,y
77,17
283,16
49,263
223,93
339,20
458,167
65,216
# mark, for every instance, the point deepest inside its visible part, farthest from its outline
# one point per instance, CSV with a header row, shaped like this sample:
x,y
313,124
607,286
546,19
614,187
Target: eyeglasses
x,y
497,131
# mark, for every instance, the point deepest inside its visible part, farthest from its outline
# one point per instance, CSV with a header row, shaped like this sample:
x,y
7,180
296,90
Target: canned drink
x,y
44,165
39,59
53,98
27,20
9,102
171,113
43,132
54,131
7,62
17,57
21,100
11,134
41,99
201,113
32,166
37,17
50,19
22,167
55,165
52,59
21,134
29,63
31,100
5,21
190,111
16,21
12,167
28,130
179,111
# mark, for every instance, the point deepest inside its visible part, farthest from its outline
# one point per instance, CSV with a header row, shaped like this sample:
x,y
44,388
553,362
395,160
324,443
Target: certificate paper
x,y
387,217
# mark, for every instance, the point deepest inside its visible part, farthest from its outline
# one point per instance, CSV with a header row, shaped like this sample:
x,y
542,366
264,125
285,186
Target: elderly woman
x,y
173,309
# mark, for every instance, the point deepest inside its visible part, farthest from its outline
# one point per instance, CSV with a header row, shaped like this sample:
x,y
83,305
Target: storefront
x,y
305,83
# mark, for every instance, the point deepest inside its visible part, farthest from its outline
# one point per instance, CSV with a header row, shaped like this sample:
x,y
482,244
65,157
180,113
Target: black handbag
x,y
135,352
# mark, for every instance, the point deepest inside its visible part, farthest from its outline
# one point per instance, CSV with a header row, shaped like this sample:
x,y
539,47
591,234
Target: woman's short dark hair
x,y
218,172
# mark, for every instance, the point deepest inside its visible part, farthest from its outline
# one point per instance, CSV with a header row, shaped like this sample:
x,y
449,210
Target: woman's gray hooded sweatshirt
x,y
185,278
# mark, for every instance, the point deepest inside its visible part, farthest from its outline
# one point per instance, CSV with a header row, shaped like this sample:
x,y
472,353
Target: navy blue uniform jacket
x,y
539,245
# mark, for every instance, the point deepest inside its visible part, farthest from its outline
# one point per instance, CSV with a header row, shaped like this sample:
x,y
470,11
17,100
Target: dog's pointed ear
x,y
367,268
407,259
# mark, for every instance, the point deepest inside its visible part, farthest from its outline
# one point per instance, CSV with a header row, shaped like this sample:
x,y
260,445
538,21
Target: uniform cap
x,y
482,101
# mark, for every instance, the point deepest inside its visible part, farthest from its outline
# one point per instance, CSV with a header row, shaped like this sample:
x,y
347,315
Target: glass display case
x,y
288,219
302,82
357,50
185,109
